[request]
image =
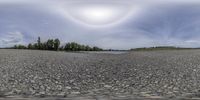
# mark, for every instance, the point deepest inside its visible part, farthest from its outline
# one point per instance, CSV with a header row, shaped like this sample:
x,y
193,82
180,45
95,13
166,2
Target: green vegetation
x,y
78,47
160,48
54,45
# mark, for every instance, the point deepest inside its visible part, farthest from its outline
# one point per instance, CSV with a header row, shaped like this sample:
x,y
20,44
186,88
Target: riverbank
x,y
167,74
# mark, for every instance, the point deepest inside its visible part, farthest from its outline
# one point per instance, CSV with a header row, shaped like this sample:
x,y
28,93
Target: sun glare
x,y
98,15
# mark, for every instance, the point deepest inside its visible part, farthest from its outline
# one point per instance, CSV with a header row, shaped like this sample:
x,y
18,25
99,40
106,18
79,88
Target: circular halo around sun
x,y
98,14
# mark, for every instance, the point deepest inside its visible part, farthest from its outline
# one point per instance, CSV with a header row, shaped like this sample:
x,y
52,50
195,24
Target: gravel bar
x,y
136,75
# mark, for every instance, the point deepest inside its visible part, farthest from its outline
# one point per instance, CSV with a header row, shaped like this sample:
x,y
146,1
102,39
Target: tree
x,y
56,44
30,46
50,44
35,46
61,48
96,49
75,46
20,47
67,47
44,46
39,43
82,47
87,48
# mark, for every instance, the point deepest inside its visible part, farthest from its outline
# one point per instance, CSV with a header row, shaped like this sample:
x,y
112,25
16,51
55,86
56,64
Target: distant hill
x,y
161,48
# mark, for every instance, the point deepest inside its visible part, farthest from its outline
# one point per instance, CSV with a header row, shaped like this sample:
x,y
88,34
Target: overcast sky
x,y
117,24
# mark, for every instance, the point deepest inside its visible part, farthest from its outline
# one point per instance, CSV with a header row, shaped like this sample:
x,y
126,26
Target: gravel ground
x,y
148,75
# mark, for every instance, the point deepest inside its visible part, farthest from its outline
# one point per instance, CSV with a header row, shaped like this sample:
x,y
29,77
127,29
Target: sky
x,y
116,24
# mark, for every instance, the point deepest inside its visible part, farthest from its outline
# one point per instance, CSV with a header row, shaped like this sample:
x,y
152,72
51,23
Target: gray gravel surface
x,y
95,76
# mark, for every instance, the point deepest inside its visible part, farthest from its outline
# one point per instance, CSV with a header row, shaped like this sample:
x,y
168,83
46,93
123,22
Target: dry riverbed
x,y
135,75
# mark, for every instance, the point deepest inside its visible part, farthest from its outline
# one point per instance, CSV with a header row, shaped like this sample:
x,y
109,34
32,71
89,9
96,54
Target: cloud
x,y
10,39
158,22
172,25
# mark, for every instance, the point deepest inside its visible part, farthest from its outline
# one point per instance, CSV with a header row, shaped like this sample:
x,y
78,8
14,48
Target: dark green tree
x,y
82,47
68,47
20,47
96,49
35,46
44,46
39,43
88,48
56,44
50,44
30,46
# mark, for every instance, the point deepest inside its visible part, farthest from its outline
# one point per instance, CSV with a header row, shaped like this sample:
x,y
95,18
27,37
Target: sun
x,y
98,14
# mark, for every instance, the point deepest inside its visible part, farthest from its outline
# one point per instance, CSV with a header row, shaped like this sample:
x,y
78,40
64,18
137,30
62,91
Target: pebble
x,y
43,73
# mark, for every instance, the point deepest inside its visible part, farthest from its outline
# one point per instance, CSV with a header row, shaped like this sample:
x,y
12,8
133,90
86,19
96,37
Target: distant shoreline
x,y
162,48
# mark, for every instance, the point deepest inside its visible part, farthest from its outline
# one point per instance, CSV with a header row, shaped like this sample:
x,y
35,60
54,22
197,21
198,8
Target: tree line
x,y
55,45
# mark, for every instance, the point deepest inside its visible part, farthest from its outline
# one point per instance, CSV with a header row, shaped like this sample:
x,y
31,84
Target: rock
x,y
42,94
75,93
107,86
68,88
62,94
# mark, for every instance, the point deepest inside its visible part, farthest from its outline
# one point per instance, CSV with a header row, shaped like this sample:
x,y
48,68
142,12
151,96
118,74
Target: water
x,y
108,52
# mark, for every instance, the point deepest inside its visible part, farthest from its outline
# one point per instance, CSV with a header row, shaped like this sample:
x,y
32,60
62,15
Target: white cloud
x,y
11,38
